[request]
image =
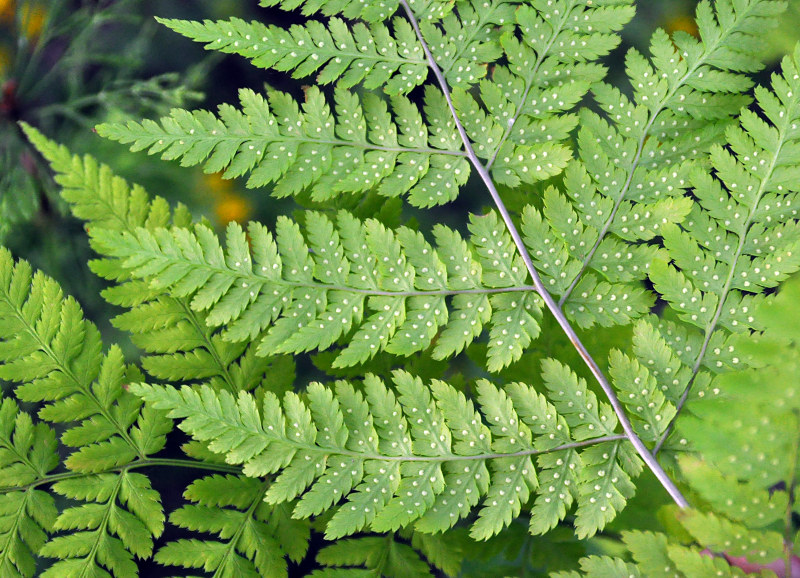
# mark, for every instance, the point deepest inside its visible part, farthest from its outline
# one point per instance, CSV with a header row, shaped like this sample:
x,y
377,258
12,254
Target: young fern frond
x,y
374,56
422,457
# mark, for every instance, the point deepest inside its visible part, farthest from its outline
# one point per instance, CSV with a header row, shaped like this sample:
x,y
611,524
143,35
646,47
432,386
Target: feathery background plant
x,y
512,313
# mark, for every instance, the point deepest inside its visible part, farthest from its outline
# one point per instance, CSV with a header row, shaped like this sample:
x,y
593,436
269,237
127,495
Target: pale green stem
x,y
551,304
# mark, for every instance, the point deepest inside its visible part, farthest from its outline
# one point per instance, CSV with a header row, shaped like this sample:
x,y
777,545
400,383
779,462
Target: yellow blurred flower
x,y
232,208
7,8
32,16
229,205
217,185
5,60
683,23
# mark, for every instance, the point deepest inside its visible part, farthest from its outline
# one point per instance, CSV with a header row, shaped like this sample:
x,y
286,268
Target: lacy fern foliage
x,y
426,446
480,394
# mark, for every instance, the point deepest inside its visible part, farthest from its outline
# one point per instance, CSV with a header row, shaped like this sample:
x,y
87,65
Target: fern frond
x,y
416,458
27,454
373,56
715,287
521,118
635,162
746,441
102,531
252,534
179,344
55,357
273,141
467,41
388,287
528,100
371,556
559,241
370,11
357,146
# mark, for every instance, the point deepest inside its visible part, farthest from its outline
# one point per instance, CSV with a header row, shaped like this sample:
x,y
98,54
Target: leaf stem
x,y
551,304
234,540
139,463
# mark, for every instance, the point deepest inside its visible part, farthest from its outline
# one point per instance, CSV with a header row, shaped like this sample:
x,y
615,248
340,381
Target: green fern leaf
x,y
391,289
615,204
109,535
408,464
466,41
373,56
371,12
55,357
602,566
252,534
745,259
171,333
378,556
640,393
274,141
27,455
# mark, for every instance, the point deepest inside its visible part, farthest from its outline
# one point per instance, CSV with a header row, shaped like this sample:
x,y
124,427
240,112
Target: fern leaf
x,y
640,393
371,12
378,556
526,98
374,56
752,253
602,566
55,357
390,289
588,299
650,552
521,117
746,443
108,533
275,141
252,535
626,187
385,461
27,455
466,41
173,335
54,354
